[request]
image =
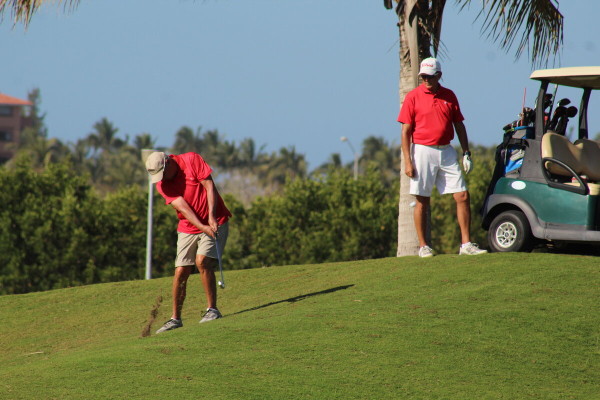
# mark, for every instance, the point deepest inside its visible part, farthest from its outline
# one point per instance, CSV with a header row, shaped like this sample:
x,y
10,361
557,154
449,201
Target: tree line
x,y
76,214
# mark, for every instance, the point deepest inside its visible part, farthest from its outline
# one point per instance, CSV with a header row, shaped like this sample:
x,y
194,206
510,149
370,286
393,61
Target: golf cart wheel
x,y
510,231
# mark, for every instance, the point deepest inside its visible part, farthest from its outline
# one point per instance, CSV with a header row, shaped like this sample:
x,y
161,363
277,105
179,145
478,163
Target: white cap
x,y
430,66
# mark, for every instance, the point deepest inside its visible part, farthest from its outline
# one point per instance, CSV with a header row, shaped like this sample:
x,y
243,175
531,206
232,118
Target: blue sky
x,y
285,73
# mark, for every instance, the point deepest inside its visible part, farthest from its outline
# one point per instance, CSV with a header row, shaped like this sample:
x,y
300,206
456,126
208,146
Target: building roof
x,y
6,100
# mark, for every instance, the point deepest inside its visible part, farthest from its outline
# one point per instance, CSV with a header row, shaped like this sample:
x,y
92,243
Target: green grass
x,y
501,326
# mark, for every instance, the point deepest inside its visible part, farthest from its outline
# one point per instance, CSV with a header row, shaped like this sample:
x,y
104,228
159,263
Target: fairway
x,y
498,326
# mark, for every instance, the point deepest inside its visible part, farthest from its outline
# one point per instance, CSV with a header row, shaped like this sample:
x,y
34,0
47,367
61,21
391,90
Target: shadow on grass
x,y
297,298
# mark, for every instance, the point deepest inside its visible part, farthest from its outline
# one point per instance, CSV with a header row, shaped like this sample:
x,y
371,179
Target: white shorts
x,y
435,165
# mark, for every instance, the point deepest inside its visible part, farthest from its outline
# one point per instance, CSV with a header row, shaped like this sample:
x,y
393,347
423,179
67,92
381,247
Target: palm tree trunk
x,y
408,243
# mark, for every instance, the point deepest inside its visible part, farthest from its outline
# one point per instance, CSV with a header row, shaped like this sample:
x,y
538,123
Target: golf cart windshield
x,y
586,78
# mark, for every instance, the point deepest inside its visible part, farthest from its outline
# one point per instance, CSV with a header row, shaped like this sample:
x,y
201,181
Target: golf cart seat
x,y
568,160
590,150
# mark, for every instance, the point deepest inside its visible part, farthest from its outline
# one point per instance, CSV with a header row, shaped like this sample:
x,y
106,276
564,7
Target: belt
x,y
438,146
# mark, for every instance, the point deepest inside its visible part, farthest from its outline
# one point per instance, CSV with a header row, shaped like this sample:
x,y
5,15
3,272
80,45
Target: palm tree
x,y
377,152
104,137
144,141
333,162
123,168
287,164
249,156
537,23
186,140
209,144
40,150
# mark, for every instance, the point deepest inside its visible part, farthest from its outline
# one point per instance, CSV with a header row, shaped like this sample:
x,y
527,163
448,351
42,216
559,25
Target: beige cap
x,y
155,165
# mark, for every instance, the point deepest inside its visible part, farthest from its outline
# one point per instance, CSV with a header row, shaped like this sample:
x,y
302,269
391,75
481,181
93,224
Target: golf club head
x,y
222,285
564,102
547,100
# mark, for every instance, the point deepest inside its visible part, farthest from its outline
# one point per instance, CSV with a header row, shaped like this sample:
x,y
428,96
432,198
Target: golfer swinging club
x,y
430,114
186,183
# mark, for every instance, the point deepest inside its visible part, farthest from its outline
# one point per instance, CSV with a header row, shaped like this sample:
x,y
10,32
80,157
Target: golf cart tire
x,y
510,232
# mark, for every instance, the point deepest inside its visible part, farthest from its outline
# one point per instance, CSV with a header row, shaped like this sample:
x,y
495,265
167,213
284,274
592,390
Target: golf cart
x,y
545,187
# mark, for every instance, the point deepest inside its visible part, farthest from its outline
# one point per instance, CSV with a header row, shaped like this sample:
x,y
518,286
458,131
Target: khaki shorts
x,y
189,245
436,165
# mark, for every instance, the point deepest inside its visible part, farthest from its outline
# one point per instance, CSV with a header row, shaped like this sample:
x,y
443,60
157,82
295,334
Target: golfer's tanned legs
x,y
206,267
179,289
420,216
463,215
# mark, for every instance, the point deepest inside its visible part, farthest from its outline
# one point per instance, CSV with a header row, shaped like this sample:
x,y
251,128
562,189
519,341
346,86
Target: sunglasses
x,y
427,77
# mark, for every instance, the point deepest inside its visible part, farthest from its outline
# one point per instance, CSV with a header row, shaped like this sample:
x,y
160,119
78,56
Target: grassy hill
x,y
500,326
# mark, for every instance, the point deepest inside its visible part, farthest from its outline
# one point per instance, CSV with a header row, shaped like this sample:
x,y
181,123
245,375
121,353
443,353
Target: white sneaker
x,y
471,249
210,315
170,325
425,252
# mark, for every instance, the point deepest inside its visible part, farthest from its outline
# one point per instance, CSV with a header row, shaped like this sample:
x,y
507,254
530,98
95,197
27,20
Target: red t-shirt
x,y
192,170
431,114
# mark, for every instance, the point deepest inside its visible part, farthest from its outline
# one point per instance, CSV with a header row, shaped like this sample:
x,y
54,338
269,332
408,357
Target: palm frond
x,y
23,10
436,13
537,25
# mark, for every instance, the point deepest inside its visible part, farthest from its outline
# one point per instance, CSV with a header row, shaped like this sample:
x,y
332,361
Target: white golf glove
x,y
467,163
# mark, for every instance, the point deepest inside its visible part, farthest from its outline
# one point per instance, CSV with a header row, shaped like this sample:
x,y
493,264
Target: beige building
x,y
12,123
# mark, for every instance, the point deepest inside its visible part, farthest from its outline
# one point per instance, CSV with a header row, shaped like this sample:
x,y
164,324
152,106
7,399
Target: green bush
x,y
332,219
56,232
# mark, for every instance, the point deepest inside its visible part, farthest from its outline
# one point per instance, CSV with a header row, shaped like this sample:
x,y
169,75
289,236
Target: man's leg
x,y
206,267
463,215
420,216
179,289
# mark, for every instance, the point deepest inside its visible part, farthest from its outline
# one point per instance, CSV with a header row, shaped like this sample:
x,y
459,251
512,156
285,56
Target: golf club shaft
x,y
222,281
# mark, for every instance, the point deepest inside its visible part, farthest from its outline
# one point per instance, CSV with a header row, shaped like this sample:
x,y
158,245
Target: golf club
x,y
222,281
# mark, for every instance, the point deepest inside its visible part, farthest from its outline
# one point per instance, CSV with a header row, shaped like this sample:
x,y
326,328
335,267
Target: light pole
x,y
145,154
345,139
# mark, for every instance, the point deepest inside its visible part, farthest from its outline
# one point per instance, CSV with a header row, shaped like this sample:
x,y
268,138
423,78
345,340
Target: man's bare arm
x,y
184,208
211,198
407,130
461,133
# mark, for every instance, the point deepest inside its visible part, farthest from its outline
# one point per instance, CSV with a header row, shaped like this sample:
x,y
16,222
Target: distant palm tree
x,y
209,144
537,23
40,150
186,140
249,156
377,152
333,162
287,164
123,168
104,137
144,141
79,151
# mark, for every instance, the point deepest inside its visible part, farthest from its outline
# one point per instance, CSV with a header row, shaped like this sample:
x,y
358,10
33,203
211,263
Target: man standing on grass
x,y
186,183
430,114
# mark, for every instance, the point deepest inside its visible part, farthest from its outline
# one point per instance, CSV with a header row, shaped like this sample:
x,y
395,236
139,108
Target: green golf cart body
x,y
545,188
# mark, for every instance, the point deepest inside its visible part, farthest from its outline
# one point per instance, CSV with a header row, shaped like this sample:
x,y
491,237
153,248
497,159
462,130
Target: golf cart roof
x,y
579,77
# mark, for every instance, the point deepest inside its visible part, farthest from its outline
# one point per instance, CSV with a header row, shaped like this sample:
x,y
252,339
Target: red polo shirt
x,y
192,170
431,114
